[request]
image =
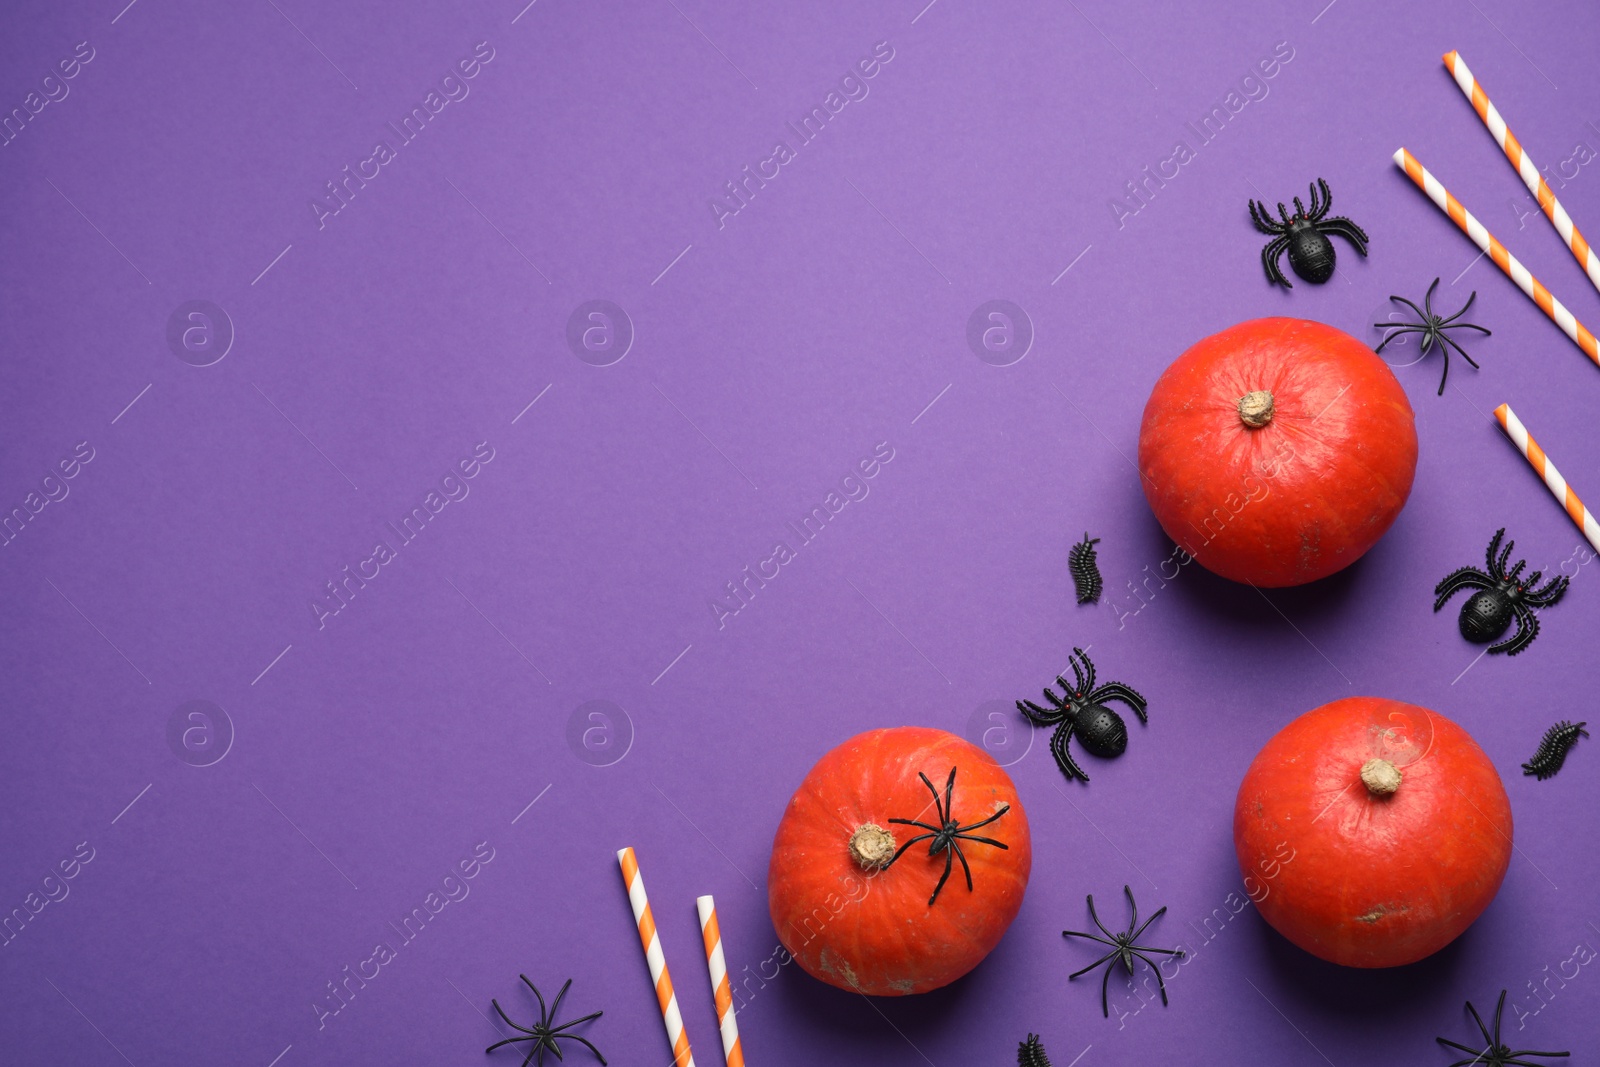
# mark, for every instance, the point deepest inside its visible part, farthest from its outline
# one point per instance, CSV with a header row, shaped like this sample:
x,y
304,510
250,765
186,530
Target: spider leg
x,y
1464,307
1531,1052
1427,301
984,841
1060,704
1133,910
1091,966
544,1015
1327,198
1443,340
1420,313
948,812
1078,674
1499,569
1456,1044
575,1022
1034,713
1444,352
586,1041
1316,206
1481,1028
510,1040
1457,580
1088,668
1159,983
987,821
1494,546
1527,630
1105,1006
1263,219
1299,208
555,1008
1133,935
1346,229
1396,330
501,1012
1095,916
1466,326
908,844
962,856
1126,694
1091,937
1269,262
1511,575
1551,593
1058,748
1283,213
948,862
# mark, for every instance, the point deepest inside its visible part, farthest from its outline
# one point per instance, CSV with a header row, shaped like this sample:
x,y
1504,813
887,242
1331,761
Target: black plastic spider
x,y
1303,234
1082,711
1123,949
1503,596
948,835
1495,1054
544,1033
1432,328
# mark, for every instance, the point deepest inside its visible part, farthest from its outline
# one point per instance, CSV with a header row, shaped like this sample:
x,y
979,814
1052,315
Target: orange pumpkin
x,y
869,928
1277,451
1376,831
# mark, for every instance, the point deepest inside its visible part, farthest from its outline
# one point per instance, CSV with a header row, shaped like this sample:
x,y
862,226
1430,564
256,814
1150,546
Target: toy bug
x,y
1503,595
1085,570
1081,710
1553,748
1030,1053
1432,328
1304,236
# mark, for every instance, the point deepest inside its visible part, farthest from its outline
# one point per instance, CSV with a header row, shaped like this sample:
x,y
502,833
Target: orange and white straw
x,y
1496,251
1527,170
1552,478
711,933
681,1056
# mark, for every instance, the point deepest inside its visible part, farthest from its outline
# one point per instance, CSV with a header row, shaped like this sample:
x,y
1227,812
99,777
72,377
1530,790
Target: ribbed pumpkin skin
x,y
1373,881
876,933
1297,499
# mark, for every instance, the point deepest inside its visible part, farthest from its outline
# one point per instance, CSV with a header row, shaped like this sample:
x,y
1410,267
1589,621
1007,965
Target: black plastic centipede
x,y
1553,748
1085,570
1030,1053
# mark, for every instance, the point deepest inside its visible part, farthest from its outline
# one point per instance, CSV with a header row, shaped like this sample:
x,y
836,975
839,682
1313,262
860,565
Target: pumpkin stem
x,y
872,847
1255,408
1380,777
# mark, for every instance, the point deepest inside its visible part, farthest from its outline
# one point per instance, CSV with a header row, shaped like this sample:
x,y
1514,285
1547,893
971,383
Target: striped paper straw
x,y
1496,251
1552,478
711,933
1527,170
681,1056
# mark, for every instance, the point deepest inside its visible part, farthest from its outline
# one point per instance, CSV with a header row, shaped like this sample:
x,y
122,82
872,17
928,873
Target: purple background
x,y
824,318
